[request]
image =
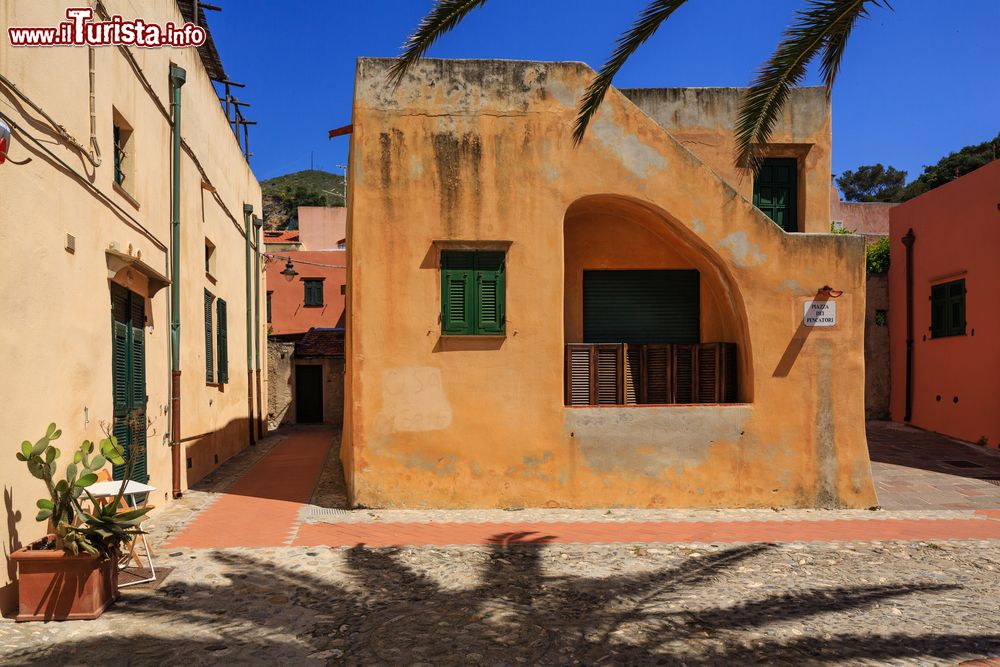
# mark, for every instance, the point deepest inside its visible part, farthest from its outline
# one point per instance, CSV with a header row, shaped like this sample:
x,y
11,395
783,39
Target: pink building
x,y
944,321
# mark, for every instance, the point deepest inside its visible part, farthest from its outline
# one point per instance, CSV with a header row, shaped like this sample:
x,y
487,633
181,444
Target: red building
x,y
944,318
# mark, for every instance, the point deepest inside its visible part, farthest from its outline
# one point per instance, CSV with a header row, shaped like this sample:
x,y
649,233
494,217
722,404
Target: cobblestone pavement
x,y
847,603
917,469
522,597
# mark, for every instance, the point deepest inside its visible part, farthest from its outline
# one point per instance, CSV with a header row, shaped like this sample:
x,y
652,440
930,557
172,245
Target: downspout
x,y
177,78
908,241
247,213
257,224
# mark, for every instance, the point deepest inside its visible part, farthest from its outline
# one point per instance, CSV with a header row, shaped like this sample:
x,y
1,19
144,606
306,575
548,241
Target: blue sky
x,y
916,83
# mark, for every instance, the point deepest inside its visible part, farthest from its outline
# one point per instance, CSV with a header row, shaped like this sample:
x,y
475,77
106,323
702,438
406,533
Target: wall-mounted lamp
x,y
830,292
289,271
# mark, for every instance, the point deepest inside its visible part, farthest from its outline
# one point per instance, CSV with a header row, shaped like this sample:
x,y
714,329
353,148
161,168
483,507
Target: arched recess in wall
x,y
613,232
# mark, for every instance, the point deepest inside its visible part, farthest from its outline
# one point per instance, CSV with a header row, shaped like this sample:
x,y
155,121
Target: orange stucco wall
x,y
482,152
289,314
957,229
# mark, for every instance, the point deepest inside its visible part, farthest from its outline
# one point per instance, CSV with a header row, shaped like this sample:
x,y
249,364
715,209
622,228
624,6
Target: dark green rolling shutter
x,y
490,302
222,340
209,343
647,306
774,191
457,303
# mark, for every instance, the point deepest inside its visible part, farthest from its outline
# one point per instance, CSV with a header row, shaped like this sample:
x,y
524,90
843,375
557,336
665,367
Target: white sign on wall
x,y
820,314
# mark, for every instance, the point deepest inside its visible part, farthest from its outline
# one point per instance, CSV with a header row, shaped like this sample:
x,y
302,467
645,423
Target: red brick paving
x,y
437,534
260,509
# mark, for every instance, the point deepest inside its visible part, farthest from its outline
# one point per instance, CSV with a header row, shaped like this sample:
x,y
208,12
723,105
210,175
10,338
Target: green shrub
x,y
878,256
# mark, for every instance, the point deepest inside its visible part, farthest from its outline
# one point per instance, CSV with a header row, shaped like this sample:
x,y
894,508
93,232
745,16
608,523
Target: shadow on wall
x,y
8,593
517,611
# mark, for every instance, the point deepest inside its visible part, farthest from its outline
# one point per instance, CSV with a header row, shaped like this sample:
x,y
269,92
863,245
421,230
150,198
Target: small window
x,y
473,293
209,257
269,306
775,189
123,149
313,292
948,309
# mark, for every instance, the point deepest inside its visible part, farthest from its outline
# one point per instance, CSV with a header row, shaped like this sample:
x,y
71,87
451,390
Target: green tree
x,y
952,166
872,183
820,29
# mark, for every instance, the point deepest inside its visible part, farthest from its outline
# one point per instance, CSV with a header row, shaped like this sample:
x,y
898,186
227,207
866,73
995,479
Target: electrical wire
x,y
288,258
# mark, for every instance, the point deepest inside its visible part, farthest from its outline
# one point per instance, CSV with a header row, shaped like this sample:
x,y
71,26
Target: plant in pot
x,y
73,573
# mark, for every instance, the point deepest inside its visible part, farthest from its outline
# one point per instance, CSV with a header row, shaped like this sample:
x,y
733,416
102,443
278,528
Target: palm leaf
x,y
644,27
823,26
444,16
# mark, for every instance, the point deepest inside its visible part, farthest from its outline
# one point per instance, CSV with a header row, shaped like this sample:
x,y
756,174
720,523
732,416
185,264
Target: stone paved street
x,y
537,586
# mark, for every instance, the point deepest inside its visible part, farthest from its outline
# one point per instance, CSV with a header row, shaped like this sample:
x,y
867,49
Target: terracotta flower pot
x,y
58,586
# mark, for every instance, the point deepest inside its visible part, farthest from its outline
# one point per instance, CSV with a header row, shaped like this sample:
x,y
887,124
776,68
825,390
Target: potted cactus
x,y
72,573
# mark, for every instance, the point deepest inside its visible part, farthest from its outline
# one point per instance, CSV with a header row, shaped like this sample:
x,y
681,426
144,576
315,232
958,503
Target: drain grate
x,y
314,510
962,464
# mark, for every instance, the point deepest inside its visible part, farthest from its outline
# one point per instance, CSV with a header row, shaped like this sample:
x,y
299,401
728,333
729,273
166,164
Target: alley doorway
x,y
309,394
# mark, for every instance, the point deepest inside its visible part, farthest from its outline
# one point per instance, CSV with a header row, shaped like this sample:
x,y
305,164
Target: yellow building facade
x,y
537,323
86,250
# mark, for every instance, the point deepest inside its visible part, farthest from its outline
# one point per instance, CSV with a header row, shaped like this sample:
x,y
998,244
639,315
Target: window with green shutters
x,y
222,340
473,293
774,191
948,309
209,342
128,364
313,292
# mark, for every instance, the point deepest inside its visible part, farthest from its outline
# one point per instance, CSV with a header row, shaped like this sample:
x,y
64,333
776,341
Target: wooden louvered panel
x,y
209,343
608,376
657,374
684,377
633,374
709,373
578,373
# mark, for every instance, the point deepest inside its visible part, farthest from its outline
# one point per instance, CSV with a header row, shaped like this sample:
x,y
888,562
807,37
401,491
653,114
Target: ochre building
x,y
86,271
536,323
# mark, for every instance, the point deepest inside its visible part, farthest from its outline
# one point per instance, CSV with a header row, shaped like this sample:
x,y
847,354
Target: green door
x,y
128,362
774,192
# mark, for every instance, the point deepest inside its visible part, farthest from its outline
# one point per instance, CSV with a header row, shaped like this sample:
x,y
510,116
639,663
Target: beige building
x,y
623,322
87,275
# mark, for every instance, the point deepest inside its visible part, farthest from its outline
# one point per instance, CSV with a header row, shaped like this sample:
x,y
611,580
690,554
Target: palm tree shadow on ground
x,y
384,612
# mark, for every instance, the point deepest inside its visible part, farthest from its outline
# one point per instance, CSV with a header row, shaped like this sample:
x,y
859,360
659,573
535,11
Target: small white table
x,y
133,488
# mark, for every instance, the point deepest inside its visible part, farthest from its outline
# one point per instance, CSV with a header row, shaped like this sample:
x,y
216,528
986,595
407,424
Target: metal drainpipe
x,y
908,241
177,78
257,224
247,213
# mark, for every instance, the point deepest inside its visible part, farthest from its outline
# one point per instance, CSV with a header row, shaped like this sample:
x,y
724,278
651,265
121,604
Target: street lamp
x,y
289,271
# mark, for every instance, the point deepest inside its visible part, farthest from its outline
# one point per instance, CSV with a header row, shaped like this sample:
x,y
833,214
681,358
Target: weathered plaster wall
x,y
877,376
961,370
868,218
703,119
280,384
474,150
56,342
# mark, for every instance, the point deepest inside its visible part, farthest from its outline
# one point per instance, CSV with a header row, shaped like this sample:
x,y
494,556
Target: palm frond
x,y
644,27
443,17
823,27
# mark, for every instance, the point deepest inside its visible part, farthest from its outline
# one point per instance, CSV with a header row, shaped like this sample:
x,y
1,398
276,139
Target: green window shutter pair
x,y
948,309
313,292
473,293
128,367
222,340
209,343
775,190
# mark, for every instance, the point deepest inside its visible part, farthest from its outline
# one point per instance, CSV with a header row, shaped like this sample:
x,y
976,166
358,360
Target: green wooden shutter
x,y
222,340
775,190
490,297
956,308
137,423
209,343
645,306
313,292
457,302
939,306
